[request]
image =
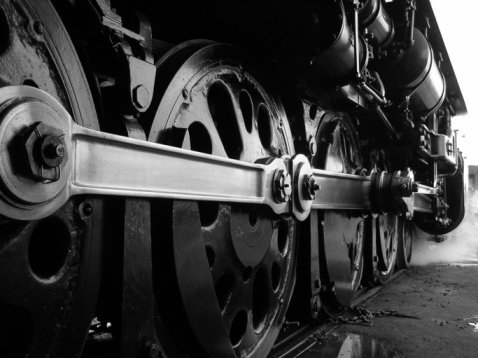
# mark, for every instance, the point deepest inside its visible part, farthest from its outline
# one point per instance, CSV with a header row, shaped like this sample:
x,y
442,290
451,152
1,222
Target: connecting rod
x,y
46,158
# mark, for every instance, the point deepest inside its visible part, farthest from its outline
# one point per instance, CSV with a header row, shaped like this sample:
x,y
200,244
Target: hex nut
x,y
282,186
141,96
310,186
44,151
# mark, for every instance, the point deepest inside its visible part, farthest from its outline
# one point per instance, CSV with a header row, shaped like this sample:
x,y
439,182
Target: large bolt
x,y
85,209
282,186
52,151
38,27
45,151
311,186
141,96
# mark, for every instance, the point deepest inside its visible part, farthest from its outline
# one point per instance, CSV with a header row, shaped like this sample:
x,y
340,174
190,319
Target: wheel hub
x,y
32,126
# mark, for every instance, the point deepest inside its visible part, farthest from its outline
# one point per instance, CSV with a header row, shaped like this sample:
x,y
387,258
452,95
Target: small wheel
x,y
387,241
50,268
341,232
233,265
404,245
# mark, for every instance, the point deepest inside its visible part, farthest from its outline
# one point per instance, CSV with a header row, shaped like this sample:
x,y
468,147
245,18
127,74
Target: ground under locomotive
x,y
194,174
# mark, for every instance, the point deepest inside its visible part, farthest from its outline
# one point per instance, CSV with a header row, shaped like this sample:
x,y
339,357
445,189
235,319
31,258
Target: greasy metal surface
x,y
405,243
336,63
341,232
196,285
198,246
236,260
453,90
387,241
172,172
379,24
422,203
107,164
51,268
137,299
341,191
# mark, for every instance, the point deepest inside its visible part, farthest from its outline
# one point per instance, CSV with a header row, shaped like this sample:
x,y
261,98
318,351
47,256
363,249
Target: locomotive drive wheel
x,y
341,232
50,268
224,272
404,245
387,242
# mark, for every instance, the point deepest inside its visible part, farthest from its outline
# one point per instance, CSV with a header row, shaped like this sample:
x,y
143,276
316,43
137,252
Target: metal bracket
x,y
134,52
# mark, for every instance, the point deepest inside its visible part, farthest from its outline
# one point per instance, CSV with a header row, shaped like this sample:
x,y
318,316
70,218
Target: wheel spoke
x,y
195,121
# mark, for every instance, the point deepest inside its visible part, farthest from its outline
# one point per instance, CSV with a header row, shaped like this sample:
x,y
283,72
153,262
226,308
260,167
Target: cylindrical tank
x,y
377,22
334,62
415,73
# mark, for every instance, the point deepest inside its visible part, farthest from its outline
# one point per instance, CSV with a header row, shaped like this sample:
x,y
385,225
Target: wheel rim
x,y
404,248
387,242
341,231
215,104
50,268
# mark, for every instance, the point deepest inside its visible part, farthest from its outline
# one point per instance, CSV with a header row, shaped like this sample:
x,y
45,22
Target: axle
x,y
46,159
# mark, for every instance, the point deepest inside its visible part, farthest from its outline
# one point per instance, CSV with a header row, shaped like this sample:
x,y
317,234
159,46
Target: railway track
x,y
303,338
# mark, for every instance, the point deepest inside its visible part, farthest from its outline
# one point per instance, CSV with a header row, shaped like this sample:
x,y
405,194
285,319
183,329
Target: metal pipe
x,y
387,123
356,38
376,96
412,7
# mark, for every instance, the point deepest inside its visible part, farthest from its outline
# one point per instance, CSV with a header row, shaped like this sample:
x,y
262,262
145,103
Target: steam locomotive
x,y
178,179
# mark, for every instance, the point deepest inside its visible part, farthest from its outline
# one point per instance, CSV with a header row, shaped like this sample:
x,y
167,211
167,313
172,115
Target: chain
x,y
363,316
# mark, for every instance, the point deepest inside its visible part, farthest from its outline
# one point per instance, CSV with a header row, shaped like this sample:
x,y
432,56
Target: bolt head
x,y
310,186
141,96
185,93
52,151
86,209
38,27
282,186
44,151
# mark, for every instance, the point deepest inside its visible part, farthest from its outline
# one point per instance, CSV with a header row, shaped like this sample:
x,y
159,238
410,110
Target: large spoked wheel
x,y
387,241
50,269
341,232
225,272
404,245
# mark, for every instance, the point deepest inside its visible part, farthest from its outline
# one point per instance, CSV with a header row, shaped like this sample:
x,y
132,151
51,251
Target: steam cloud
x,y
458,247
